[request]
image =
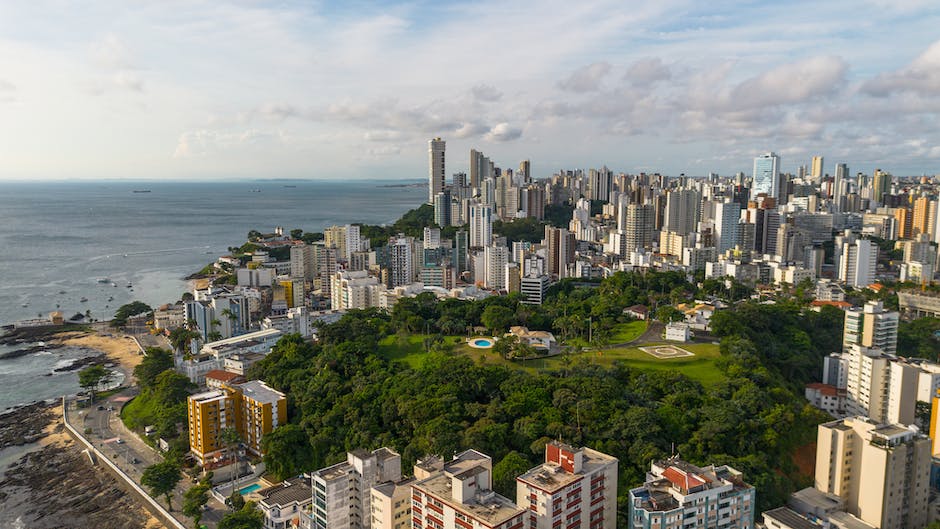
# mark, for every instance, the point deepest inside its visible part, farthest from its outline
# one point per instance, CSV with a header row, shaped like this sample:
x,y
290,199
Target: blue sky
x,y
190,90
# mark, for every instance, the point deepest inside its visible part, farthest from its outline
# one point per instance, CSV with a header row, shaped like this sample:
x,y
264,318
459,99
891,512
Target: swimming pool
x,y
481,343
249,489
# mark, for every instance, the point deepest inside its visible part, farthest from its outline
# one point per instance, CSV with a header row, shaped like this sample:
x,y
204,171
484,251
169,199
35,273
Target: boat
x,y
141,191
114,285
104,280
83,300
129,285
110,298
61,292
25,305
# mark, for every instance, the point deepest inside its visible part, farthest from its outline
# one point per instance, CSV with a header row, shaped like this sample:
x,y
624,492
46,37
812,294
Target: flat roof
x,y
390,489
207,396
260,392
551,477
790,518
489,507
294,490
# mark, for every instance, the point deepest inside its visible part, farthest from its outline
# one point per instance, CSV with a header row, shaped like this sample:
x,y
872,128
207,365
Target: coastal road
x,y
107,432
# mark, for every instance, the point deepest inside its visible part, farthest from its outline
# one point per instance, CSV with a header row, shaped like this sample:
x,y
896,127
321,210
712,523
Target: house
x,y
677,332
218,379
537,339
286,504
640,312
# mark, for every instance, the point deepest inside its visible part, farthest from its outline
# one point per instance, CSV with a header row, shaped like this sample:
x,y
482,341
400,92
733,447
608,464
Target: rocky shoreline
x,y
56,484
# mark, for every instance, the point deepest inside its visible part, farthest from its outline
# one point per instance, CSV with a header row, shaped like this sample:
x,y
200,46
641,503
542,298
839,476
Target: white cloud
x,y
484,92
646,72
503,132
586,79
922,76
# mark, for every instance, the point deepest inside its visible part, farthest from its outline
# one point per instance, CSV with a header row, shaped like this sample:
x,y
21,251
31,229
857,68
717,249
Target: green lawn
x,y
700,367
627,332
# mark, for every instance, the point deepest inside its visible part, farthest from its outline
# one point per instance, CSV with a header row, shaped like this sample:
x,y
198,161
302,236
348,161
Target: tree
x,y
248,517
126,311
162,478
296,233
181,337
497,318
505,472
236,501
287,451
155,361
94,376
231,439
668,314
195,499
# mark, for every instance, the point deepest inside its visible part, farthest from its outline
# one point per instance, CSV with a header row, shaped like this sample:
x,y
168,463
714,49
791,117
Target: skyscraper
x,y
638,226
727,215
766,175
442,209
838,185
817,172
435,168
881,183
682,211
481,226
858,263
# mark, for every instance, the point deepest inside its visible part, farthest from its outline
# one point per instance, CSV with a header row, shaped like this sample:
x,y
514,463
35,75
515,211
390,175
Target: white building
x,y
354,290
858,263
677,332
481,226
495,259
342,496
575,486
284,504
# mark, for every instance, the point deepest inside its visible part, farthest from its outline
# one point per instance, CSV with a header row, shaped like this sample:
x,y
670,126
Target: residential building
x,y
342,496
481,226
867,382
533,288
858,263
560,245
391,504
827,398
882,471
436,168
495,258
354,290
576,486
285,505
871,326
401,261
459,494
679,495
213,354
727,216
303,263
638,226
817,168
252,409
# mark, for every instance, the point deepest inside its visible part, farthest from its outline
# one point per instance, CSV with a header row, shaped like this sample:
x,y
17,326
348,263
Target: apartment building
x,y
871,326
391,504
575,486
881,471
458,494
252,409
285,505
679,495
342,496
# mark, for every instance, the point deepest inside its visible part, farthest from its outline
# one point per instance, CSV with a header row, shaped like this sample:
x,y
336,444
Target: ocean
x,y
64,242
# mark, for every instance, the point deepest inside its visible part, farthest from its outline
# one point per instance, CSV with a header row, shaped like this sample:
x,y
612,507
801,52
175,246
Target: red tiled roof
x,y
825,389
839,304
683,480
219,374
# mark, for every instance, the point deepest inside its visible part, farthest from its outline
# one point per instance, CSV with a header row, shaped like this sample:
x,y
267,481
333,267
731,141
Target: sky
x,y
306,89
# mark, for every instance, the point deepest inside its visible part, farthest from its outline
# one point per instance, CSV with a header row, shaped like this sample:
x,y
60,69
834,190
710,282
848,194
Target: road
x,y
102,425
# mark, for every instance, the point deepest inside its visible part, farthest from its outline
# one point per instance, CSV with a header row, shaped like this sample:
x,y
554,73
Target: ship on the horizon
x,y
141,191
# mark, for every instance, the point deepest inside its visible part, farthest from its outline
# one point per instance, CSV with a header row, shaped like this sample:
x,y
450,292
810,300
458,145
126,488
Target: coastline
x,y
53,480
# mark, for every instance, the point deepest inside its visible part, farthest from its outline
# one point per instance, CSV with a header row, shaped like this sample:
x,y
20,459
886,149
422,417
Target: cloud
x,y
382,135
111,53
586,79
646,72
487,93
471,130
7,91
791,83
128,81
503,132
922,76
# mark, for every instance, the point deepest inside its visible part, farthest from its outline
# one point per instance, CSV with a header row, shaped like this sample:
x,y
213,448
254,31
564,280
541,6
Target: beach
x,y
118,348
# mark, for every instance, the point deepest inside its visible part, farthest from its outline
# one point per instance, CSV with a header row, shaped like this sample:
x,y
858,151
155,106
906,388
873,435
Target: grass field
x,y
700,367
627,332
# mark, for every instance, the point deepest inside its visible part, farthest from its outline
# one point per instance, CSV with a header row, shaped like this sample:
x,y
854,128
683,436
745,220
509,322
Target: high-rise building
x,y
599,184
401,261
391,504
461,245
817,172
871,326
533,287
436,169
920,222
342,496
442,209
766,175
679,495
459,494
839,185
354,290
481,226
496,258
638,226
683,207
881,471
302,263
858,262
560,246
727,216
252,409
575,486
479,168
525,171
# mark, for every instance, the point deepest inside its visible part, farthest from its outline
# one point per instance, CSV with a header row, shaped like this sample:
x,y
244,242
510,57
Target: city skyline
x,y
262,91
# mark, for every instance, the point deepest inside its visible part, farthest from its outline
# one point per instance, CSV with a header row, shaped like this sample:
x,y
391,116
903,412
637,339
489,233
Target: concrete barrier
x,y
152,505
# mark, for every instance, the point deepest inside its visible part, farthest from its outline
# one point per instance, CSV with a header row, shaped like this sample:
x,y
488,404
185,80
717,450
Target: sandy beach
x,y
118,348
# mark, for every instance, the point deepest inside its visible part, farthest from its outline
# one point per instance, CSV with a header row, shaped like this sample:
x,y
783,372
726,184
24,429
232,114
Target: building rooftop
x,y
673,479
260,392
550,477
294,490
486,506
224,376
333,472
789,518
390,489
207,396
844,520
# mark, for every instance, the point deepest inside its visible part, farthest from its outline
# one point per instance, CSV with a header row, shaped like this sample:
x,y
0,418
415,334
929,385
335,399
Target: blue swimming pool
x,y
481,343
249,489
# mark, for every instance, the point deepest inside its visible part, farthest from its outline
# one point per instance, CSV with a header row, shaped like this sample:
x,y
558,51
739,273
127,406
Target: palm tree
x,y
230,438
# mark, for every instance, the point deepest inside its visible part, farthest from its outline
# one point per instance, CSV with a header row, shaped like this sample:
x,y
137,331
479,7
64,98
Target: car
x,y
100,408
134,461
120,441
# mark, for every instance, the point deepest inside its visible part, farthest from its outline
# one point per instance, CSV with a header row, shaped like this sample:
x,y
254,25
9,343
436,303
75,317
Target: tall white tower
x,y
435,168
